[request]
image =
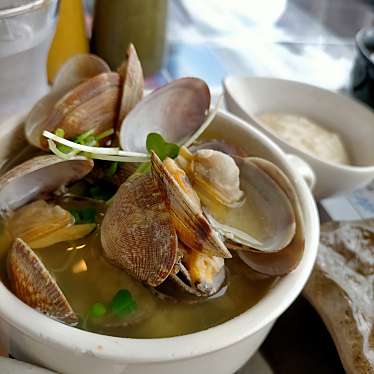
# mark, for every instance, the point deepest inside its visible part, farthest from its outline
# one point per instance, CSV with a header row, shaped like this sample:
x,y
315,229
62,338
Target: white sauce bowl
x,y
33,337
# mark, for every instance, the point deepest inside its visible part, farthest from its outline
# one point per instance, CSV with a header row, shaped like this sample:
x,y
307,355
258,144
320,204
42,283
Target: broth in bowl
x,y
136,225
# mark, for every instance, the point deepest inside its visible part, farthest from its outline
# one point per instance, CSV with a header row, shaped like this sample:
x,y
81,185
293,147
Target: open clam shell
x,y
77,69
191,225
273,204
137,232
233,187
36,121
288,258
73,72
90,105
33,284
37,176
175,111
131,74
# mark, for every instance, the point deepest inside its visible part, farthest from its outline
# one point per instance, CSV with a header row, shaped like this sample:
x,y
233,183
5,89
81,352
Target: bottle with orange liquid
x,y
70,37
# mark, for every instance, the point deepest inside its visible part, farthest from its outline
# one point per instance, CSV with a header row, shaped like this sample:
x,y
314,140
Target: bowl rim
x,y
47,331
362,49
345,98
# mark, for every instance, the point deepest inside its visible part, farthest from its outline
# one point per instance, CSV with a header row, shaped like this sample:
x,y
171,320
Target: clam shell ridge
x,y
137,232
192,227
41,174
90,105
32,283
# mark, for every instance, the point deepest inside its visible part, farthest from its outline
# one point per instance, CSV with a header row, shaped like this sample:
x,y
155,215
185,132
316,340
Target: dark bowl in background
x,y
362,77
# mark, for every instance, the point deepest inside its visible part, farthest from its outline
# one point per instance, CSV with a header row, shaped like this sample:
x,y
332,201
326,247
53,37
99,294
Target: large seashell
x,y
91,105
286,260
37,220
32,283
175,111
36,121
37,176
224,184
77,69
131,74
192,227
271,201
73,72
137,232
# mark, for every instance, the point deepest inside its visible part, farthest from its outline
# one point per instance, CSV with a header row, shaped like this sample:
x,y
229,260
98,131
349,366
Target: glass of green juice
x,y
120,22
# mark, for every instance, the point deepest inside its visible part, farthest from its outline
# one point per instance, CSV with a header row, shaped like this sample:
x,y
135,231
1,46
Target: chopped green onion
x,y
97,310
156,143
61,147
144,168
53,147
81,147
60,132
123,303
83,215
116,158
64,148
81,139
91,151
104,134
112,169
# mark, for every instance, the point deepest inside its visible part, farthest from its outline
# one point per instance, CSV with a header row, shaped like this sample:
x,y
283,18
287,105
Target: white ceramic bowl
x,y
223,349
249,96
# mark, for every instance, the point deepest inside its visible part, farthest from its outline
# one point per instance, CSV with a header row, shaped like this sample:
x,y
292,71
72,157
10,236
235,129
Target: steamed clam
x,y
90,105
137,233
185,209
224,183
140,234
86,95
33,284
33,221
75,71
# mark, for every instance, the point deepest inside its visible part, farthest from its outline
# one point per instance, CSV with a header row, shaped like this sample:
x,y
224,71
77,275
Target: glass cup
x,y
26,31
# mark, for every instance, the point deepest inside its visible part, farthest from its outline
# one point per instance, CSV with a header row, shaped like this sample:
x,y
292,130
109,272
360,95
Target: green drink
x,y
141,22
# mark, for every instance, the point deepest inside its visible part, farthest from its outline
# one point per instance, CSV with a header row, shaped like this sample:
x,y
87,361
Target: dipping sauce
x,y
307,136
